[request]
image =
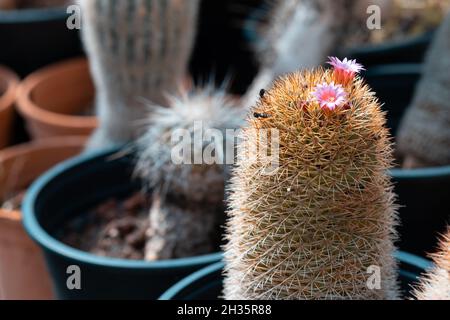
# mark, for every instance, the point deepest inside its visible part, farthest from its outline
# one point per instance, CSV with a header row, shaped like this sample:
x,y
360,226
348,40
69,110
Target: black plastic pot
x,y
33,38
207,283
69,190
423,195
406,51
409,50
424,212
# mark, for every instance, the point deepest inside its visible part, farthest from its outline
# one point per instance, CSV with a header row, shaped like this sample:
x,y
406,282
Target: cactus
x,y
137,49
188,201
314,228
424,133
435,285
291,40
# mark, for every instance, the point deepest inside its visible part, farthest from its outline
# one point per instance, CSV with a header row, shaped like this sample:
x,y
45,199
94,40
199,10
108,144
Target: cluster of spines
x,y
314,229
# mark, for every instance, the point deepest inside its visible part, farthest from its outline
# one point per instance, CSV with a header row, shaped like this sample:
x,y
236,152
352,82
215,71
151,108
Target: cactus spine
x,y
314,228
137,49
435,285
188,192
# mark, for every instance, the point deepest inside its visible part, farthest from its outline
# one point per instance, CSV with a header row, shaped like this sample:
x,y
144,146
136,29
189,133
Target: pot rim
x,y
360,49
49,243
12,83
392,45
10,215
394,69
29,108
33,15
405,257
30,147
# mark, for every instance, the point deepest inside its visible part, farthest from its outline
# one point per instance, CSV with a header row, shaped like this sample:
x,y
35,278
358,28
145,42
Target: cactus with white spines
x,y
137,49
314,228
435,285
188,189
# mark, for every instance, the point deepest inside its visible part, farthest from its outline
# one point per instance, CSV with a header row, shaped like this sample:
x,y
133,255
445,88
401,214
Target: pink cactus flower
x,y
330,96
345,70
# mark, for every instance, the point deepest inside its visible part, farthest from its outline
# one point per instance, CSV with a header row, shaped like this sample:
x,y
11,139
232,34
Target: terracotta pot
x,y
8,88
23,274
53,99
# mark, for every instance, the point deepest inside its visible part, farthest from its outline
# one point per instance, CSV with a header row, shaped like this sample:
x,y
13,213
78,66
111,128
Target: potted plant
x,y
36,34
8,88
22,270
74,189
58,100
435,285
207,283
407,29
423,144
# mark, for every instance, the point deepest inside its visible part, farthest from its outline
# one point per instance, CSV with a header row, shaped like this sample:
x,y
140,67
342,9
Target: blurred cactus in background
x,y
424,134
435,285
188,189
289,41
315,228
23,4
137,49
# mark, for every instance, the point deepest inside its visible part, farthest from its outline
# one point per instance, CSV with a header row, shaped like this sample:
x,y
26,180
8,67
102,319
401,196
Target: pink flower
x,y
330,96
345,70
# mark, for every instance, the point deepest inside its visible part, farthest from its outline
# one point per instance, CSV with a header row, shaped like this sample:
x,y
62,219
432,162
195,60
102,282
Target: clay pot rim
x,y
12,84
22,149
27,106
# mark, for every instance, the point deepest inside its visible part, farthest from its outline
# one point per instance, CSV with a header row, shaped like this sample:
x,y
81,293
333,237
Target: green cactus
x,y
316,227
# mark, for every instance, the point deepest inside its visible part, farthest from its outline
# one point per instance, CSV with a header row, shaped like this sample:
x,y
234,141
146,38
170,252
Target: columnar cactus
x,y
137,49
187,185
324,220
435,285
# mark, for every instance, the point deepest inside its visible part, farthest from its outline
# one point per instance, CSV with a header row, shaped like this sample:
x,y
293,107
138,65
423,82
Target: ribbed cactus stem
x,y
188,192
137,49
319,226
435,285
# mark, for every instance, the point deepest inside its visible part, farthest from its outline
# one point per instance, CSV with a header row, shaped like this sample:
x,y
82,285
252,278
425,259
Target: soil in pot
x,y
23,274
116,228
27,4
57,100
9,82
